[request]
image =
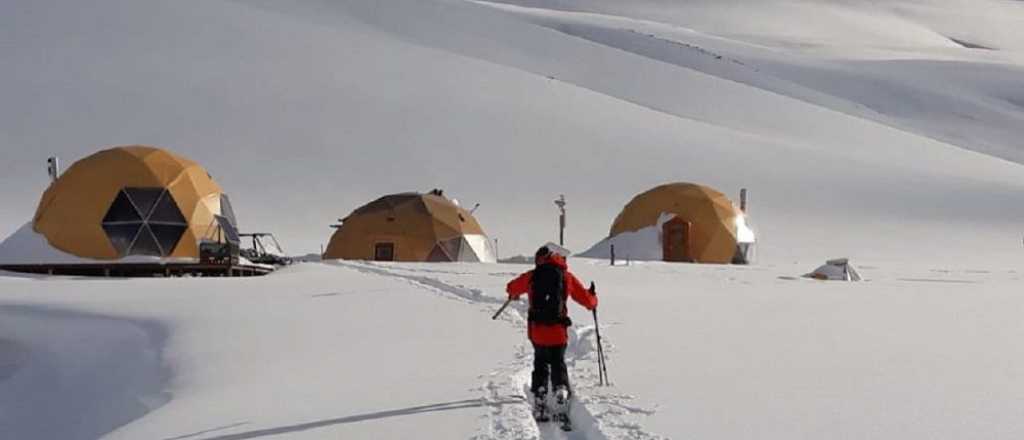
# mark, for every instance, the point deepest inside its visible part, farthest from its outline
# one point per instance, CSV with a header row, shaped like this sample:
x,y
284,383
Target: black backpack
x,y
547,306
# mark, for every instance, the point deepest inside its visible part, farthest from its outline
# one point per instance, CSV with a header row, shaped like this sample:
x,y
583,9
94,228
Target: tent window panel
x,y
122,210
466,252
384,252
452,247
167,236
230,233
145,198
438,255
227,211
166,211
145,244
122,235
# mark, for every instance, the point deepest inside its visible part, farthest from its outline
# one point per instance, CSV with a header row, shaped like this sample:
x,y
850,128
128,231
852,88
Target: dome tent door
x,y
675,238
384,252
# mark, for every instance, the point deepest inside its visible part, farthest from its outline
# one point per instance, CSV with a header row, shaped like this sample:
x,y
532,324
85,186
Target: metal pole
x,y
561,230
502,309
602,366
601,371
560,202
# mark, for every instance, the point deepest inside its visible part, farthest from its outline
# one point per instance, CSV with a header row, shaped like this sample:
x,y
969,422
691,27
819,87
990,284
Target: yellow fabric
x,y
712,214
415,223
72,208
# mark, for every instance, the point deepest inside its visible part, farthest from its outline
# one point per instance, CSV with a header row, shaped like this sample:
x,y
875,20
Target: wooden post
x,y
613,254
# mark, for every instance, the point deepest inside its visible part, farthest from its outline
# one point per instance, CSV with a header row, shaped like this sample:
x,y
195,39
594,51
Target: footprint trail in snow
x,y
597,413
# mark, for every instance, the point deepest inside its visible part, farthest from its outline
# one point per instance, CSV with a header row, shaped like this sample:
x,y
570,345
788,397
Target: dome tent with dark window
x,y
411,227
679,222
125,204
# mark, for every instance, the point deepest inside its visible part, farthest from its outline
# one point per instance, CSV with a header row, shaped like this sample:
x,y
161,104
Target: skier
x,y
548,286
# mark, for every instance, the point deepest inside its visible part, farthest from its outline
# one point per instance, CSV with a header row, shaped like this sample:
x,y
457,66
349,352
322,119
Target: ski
x,y
563,404
540,413
540,408
563,421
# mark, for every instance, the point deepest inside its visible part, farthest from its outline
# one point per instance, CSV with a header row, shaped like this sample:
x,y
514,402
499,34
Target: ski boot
x,y
561,413
540,407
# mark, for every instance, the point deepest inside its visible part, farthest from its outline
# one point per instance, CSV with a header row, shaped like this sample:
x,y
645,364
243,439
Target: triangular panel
x,y
122,210
144,198
438,255
122,235
167,236
227,211
145,244
166,211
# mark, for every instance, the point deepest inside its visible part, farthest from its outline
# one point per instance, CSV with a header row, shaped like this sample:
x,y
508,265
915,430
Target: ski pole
x,y
502,309
602,366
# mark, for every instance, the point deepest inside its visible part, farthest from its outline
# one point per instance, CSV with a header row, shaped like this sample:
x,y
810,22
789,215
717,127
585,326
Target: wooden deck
x,y
142,269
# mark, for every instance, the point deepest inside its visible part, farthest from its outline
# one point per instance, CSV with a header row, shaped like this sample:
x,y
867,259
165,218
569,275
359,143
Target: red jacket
x,y
549,335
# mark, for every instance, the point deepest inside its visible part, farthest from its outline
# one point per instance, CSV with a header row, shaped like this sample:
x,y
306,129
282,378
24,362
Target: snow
x,y
318,99
643,244
26,246
874,130
74,375
357,350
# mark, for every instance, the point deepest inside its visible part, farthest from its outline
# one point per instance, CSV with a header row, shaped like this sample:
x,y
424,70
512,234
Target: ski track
x,y
597,413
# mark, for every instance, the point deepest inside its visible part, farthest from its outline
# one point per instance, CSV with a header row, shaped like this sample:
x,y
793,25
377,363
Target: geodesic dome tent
x,y
132,201
411,227
681,222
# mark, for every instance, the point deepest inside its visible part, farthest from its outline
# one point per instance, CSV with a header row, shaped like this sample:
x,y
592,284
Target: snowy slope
x,y
301,109
356,350
863,129
305,352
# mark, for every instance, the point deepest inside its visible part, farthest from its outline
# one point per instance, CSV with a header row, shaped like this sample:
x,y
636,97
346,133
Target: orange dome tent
x,y
134,200
411,227
697,223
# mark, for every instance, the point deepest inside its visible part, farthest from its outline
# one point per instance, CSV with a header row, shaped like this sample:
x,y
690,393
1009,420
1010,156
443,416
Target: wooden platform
x,y
143,269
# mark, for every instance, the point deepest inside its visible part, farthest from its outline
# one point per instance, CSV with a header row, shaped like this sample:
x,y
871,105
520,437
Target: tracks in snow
x,y
598,413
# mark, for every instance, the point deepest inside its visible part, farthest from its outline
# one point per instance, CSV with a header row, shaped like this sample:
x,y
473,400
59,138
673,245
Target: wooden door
x,y
384,252
675,236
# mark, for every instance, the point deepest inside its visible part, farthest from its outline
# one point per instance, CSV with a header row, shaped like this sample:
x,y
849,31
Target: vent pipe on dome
x,y
743,200
53,168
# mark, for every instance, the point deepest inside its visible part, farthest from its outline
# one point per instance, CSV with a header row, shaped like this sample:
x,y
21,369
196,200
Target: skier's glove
x,y
592,289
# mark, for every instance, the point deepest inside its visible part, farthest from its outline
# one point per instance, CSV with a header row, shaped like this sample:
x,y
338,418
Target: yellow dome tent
x,y
697,223
134,200
410,227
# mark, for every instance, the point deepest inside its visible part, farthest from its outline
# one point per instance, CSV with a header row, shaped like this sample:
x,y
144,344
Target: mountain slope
x,y
304,111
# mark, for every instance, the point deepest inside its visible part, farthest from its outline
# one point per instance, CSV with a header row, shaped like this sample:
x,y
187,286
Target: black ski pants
x,y
549,362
